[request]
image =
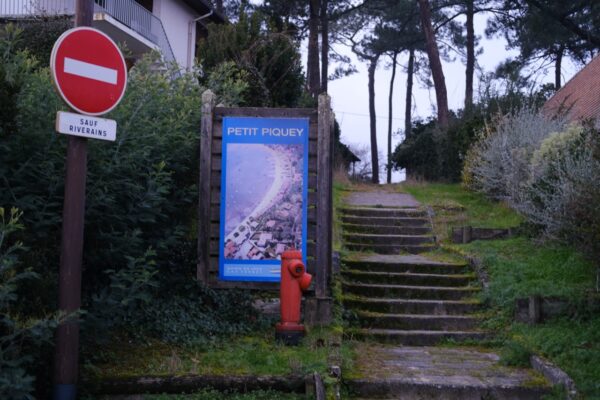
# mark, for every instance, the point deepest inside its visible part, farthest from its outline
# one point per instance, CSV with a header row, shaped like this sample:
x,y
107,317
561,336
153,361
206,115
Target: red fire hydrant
x,y
294,280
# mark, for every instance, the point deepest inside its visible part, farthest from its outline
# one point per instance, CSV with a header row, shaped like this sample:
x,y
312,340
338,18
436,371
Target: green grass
x,y
572,344
252,355
521,267
339,190
455,206
517,268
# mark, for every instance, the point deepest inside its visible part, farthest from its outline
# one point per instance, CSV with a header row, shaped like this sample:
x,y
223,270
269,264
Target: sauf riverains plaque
x,y
264,182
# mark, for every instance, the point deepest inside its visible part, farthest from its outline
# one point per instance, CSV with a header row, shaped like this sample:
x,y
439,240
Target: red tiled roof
x,y
580,96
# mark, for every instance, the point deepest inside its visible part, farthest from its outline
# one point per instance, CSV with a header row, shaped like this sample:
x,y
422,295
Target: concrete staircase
x,y
386,230
404,299
405,303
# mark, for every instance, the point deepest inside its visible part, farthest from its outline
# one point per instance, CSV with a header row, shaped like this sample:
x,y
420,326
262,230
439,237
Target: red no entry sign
x,y
89,70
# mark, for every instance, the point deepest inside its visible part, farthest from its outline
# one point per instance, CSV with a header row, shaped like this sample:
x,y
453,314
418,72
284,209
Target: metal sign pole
x,y
69,284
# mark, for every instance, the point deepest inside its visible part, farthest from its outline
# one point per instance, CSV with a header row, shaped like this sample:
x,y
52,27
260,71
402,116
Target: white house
x,y
170,26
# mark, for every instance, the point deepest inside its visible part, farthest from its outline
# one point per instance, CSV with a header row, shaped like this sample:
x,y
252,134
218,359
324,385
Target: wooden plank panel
x,y
214,183
312,214
204,213
324,202
214,264
221,112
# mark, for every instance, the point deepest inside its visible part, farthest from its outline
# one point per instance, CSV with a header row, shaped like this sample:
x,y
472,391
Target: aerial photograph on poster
x,y
263,201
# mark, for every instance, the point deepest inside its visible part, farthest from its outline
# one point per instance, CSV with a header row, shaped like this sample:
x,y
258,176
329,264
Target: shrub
x,y
15,66
141,304
229,81
38,36
546,170
418,152
434,154
269,58
141,194
499,162
20,337
562,193
198,315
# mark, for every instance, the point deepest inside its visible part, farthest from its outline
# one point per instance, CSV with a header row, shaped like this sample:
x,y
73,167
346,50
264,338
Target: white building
x,y
169,26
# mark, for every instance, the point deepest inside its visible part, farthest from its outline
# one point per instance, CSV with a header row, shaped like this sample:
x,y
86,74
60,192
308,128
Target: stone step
x,y
409,292
420,373
389,248
407,278
414,337
412,306
385,264
414,389
383,212
386,230
365,238
386,221
418,321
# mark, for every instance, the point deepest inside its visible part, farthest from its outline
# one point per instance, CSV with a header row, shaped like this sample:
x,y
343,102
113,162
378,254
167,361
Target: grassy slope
x,y
257,354
520,267
454,206
253,355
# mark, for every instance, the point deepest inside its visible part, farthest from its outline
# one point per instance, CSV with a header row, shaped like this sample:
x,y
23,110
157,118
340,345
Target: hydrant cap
x,y
291,255
305,281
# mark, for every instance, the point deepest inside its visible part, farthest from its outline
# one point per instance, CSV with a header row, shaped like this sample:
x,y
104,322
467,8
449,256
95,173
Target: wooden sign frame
x,y
320,200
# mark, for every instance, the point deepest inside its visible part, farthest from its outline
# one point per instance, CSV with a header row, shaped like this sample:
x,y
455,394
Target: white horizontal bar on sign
x,y
91,71
86,126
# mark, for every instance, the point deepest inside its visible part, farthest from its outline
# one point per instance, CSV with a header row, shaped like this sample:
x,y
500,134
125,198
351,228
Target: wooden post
x,y
535,310
66,352
467,234
319,308
206,128
329,172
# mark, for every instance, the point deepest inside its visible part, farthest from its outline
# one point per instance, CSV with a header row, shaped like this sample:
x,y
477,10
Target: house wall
x,y
176,17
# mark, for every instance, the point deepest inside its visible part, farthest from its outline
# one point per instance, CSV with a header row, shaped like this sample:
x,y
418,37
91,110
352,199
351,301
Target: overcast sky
x,y
350,94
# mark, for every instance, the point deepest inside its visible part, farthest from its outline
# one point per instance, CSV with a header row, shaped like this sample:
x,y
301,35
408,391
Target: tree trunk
x,y
390,109
557,67
324,46
410,70
470,56
312,69
435,64
373,121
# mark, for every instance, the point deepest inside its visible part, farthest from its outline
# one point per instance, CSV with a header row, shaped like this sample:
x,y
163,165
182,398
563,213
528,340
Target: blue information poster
x,y
264,180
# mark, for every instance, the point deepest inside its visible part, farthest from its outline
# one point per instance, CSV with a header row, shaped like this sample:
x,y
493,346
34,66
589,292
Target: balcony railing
x,y
127,12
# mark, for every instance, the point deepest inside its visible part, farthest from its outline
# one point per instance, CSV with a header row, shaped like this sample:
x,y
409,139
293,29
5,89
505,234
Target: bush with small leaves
x,y
499,162
20,337
562,192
